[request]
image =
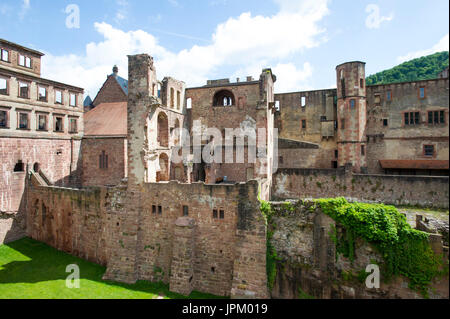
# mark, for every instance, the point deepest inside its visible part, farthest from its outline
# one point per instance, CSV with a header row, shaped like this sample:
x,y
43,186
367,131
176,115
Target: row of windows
x,y
434,118
421,94
24,89
23,122
23,60
216,214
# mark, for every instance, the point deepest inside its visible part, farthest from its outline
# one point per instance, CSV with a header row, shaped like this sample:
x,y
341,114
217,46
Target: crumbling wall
x,y
307,265
427,191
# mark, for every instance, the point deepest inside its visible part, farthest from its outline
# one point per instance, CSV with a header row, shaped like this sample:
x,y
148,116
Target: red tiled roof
x,y
106,119
414,164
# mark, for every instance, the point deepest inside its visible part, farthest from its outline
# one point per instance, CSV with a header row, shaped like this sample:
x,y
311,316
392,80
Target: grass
x,y
33,270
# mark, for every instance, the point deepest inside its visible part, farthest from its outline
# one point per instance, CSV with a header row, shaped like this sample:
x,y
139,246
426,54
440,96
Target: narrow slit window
x,y
303,101
215,215
222,214
185,211
154,209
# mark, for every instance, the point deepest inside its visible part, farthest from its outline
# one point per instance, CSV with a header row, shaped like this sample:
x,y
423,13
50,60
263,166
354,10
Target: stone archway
x,y
163,130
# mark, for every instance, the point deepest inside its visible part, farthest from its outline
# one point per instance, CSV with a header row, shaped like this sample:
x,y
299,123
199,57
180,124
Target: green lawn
x,y
33,270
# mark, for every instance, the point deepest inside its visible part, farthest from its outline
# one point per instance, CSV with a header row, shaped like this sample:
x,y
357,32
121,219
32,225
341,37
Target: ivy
x,y
271,254
405,251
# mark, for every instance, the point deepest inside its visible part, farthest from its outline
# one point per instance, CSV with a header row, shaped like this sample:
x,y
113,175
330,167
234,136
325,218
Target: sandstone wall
x,y
308,264
425,191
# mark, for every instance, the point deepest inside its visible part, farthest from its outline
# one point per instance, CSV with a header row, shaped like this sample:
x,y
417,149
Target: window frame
x,y
70,99
70,125
424,92
9,55
411,119
424,150
303,127
7,118
39,86
103,160
38,115
28,91
62,96
440,120
25,57
19,114
385,122
352,104
7,84
388,95
55,120
303,101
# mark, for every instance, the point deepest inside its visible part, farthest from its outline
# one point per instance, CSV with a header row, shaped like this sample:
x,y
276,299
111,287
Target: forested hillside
x,y
424,68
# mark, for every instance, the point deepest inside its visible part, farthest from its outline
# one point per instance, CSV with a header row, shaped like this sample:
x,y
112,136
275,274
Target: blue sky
x,y
196,40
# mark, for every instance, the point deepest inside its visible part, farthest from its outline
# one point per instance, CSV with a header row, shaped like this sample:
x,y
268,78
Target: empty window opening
x,y
303,101
323,118
154,209
19,167
352,103
36,167
5,55
42,122
42,94
224,98
277,105
73,126
58,97
428,150
303,124
178,100
189,103
59,127
72,99
163,174
385,122
215,214
159,210
334,164
24,90
185,211
336,154
388,95
23,121
3,119
24,61
436,117
222,214
3,86
172,98
361,83
103,160
363,150
213,269
422,92
412,118
163,130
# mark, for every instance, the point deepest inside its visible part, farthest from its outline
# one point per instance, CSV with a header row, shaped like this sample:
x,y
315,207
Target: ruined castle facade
x,y
121,199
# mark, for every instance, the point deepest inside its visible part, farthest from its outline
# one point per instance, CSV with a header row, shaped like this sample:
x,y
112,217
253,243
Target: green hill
x,y
424,68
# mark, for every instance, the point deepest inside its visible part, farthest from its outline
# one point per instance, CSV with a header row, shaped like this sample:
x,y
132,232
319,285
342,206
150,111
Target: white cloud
x,y
244,43
122,11
24,9
374,19
442,45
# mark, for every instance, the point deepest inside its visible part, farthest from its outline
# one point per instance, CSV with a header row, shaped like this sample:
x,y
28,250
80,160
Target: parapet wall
x,y
307,263
426,191
209,238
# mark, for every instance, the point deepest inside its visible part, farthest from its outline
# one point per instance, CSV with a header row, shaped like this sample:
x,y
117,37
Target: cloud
x,y
24,9
244,43
122,11
374,19
174,3
442,45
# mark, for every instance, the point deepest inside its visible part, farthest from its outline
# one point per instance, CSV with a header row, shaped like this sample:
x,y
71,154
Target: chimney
x,y
237,80
115,70
249,78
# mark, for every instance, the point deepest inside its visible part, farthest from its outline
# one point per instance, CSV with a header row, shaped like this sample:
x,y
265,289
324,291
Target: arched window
x,y
36,167
224,98
163,174
163,130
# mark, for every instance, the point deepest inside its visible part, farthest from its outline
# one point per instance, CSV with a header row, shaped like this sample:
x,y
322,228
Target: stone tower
x,y
351,112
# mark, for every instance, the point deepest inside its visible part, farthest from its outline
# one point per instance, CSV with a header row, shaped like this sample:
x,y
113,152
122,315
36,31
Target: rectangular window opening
x,y
42,122
3,119
428,150
3,86
185,211
215,215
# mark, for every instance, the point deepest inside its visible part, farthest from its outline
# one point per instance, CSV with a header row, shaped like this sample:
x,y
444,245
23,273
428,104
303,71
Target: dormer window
x,y
24,61
224,98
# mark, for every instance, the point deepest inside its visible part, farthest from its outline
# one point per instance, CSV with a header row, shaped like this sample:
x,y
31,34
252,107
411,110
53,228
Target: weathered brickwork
x,y
429,191
307,260
112,151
